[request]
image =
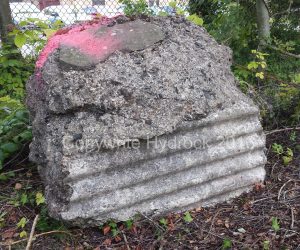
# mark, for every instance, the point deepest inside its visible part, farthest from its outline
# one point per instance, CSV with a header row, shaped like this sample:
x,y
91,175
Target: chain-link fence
x,y
72,11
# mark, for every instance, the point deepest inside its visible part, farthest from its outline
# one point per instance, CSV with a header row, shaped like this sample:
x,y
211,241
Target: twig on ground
x,y
153,222
293,218
36,236
281,130
125,240
280,190
259,200
32,232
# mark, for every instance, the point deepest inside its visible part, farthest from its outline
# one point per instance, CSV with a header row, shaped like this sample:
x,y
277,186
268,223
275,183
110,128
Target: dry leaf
x,y
259,186
18,186
118,238
219,222
199,209
107,242
9,233
226,223
106,229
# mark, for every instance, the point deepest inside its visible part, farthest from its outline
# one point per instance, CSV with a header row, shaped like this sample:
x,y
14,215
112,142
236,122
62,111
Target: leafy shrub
x,y
15,130
14,72
134,8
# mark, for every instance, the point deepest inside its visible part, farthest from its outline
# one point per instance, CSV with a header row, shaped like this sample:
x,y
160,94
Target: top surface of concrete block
x,y
127,37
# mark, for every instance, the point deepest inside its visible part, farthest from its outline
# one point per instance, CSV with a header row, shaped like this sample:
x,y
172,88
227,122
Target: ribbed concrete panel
x,y
152,124
232,152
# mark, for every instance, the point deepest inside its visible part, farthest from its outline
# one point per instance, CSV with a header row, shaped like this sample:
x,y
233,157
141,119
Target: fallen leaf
x,y
219,222
208,220
199,209
107,242
171,225
259,186
242,230
226,223
106,229
18,186
247,206
118,238
8,233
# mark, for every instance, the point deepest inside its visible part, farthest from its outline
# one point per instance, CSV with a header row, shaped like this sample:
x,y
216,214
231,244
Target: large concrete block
x,y
140,116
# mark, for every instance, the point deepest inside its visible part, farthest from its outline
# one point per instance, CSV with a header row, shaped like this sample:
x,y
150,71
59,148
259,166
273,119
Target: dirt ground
x,y
266,218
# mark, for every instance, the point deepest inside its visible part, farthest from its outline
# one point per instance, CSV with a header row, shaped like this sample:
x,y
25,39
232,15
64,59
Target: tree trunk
x,y
5,19
263,23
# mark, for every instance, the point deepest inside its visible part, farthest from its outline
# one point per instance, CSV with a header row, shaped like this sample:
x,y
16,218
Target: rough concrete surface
x,y
140,116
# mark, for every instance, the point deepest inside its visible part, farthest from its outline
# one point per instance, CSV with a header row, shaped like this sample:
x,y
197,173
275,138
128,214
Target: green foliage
x,y
266,245
15,131
195,19
45,223
14,68
14,72
163,221
39,198
37,37
114,228
275,224
287,156
140,7
277,148
22,223
129,224
135,8
227,244
259,64
187,217
2,219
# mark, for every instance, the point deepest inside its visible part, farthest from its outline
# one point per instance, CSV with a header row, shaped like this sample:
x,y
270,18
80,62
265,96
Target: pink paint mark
x,y
82,38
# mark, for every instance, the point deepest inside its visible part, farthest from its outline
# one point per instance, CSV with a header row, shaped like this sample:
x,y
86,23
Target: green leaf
x,y
162,13
286,160
24,199
23,234
163,221
277,148
10,147
226,244
187,217
260,75
289,152
172,4
275,224
195,19
266,245
49,32
22,223
252,65
129,224
39,198
3,177
1,157
20,40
